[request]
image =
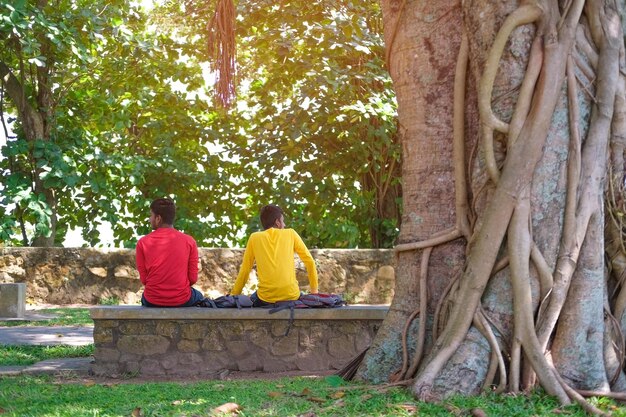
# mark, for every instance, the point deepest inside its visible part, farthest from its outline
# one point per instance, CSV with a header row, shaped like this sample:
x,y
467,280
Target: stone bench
x,y
204,342
12,300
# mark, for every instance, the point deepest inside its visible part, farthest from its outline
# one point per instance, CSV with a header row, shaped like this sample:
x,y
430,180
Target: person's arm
x,y
304,254
192,268
244,270
141,263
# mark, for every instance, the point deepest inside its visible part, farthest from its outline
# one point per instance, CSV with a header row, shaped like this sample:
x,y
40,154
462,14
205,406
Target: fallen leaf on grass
x,y
137,412
454,410
2,411
334,406
305,392
274,394
409,408
226,408
338,394
317,399
366,397
309,414
334,380
477,412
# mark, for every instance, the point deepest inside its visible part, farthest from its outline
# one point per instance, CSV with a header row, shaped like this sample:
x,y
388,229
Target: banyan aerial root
x,y
578,46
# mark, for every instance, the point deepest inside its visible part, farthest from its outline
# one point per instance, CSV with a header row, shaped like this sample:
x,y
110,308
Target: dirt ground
x,y
225,376
44,306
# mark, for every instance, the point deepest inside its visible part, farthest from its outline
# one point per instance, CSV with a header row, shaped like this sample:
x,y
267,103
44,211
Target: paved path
x,y
48,336
41,335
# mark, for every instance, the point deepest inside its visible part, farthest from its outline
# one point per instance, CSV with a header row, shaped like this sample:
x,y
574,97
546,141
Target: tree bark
x,y
533,296
422,74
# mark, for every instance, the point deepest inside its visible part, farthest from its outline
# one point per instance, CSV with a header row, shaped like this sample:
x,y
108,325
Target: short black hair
x,y
165,208
269,215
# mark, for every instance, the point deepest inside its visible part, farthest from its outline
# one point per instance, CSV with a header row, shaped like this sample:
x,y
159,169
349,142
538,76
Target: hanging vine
x,y
222,50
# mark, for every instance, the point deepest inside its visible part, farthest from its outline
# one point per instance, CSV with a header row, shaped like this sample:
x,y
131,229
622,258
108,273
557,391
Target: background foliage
x,y
130,118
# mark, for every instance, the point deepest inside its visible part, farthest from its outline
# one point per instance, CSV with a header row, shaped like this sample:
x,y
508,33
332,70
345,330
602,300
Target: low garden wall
x,y
205,342
96,276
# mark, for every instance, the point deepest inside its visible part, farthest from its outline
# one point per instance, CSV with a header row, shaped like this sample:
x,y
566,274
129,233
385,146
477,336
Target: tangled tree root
x,y
584,40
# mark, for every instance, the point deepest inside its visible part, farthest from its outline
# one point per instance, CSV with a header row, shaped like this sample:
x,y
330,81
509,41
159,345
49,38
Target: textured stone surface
x,y
277,365
108,354
102,335
189,359
237,348
12,300
167,328
341,347
188,346
237,318
251,362
193,330
364,339
286,345
87,275
315,360
137,327
150,367
169,361
143,344
213,340
231,344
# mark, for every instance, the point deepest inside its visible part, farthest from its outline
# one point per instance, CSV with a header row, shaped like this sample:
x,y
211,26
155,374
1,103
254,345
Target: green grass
x,y
28,355
64,317
46,397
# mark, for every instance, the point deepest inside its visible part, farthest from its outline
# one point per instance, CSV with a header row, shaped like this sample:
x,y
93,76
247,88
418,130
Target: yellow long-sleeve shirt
x,y
273,250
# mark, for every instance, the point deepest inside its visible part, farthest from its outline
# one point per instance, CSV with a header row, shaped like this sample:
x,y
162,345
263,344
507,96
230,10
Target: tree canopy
x,y
124,98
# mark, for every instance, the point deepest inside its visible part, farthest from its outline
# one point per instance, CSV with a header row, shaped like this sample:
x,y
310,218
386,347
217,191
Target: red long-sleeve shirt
x,y
167,261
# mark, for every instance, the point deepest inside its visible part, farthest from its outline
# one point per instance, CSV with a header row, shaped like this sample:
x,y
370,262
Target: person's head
x,y
162,213
272,216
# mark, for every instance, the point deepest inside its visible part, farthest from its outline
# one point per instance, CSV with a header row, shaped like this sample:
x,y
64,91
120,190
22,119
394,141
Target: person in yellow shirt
x,y
273,251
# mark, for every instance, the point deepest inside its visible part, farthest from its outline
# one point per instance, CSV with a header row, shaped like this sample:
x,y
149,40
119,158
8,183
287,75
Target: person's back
x,y
273,250
167,261
167,255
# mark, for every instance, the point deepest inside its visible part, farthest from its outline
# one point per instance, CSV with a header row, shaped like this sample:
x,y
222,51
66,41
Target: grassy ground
x,y
304,397
28,355
62,317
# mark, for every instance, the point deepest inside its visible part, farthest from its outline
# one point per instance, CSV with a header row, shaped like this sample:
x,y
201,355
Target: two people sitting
x,y
167,261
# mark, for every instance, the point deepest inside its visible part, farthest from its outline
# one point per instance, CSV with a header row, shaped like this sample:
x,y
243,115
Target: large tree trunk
x,y
517,286
423,74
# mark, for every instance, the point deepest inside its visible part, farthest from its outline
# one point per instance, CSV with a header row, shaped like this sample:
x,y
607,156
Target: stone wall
x,y
93,276
205,342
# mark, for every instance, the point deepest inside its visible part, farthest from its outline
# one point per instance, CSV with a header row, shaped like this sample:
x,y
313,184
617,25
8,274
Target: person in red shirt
x,y
167,261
